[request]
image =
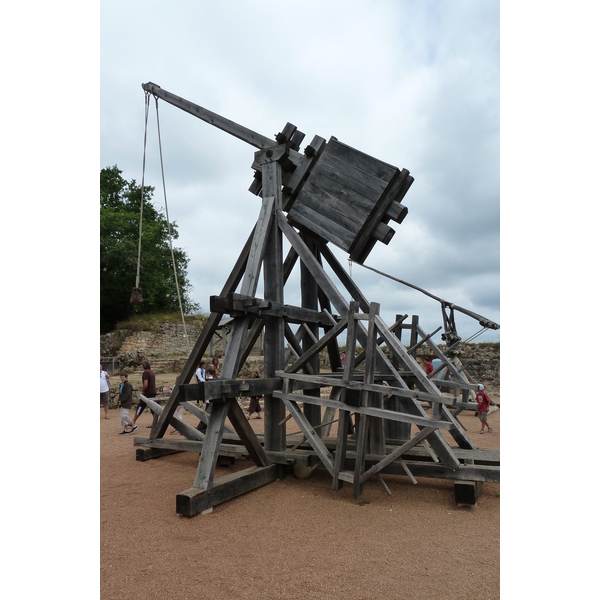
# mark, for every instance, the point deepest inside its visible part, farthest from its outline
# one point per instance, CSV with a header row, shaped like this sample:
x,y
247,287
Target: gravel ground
x,y
293,539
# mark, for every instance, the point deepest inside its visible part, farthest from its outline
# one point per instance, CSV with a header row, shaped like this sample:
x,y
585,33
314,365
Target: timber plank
x,y
371,411
194,500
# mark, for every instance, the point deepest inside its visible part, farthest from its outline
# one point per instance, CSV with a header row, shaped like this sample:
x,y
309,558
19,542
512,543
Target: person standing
x,y
428,367
148,390
104,390
254,401
125,402
483,407
201,372
215,365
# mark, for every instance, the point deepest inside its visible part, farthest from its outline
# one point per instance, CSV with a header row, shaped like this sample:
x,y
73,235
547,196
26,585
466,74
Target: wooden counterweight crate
x,y
348,199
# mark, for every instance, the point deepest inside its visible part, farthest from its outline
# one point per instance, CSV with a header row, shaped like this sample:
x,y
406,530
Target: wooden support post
x,y
343,424
467,492
364,427
274,326
376,426
395,430
309,296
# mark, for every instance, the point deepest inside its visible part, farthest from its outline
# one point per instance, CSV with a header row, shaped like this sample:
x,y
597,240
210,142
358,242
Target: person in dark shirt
x,y
125,402
148,390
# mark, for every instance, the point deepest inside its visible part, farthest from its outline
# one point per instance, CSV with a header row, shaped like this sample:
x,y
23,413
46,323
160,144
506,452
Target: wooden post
x,y
344,415
274,326
310,299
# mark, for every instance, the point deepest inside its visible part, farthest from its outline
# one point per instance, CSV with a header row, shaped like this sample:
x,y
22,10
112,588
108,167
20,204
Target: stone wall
x,y
163,345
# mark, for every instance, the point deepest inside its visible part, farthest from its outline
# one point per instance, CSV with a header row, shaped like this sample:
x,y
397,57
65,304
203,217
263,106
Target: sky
x,y
415,84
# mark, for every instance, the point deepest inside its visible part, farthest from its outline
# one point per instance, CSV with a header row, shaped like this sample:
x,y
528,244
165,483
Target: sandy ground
x,y
293,538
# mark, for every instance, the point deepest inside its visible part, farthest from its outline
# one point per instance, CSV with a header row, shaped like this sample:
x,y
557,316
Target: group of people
x,y
212,372
125,400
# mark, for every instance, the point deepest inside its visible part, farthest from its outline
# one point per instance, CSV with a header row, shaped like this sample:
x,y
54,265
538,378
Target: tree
x,y
119,235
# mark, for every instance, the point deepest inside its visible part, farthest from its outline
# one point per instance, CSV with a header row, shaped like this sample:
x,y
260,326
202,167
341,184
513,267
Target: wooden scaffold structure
x,y
331,193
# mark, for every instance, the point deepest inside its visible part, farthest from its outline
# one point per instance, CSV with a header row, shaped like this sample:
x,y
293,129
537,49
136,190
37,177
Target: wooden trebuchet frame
x,y
379,398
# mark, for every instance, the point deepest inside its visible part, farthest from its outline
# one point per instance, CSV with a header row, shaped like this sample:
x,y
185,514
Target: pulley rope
x,y
169,228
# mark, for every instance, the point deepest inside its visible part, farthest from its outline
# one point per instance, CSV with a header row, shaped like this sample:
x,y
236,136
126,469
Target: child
x,y
125,402
483,406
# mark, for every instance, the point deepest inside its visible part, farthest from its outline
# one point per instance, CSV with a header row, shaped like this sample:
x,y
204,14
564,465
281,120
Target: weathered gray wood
x,y
235,129
344,416
396,454
184,445
366,240
312,437
210,451
201,414
237,305
333,348
187,430
247,435
274,326
376,431
314,350
357,385
144,454
310,300
382,413
467,492
293,186
192,501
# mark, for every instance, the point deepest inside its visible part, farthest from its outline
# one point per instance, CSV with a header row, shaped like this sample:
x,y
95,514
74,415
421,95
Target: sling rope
x,y
169,228
147,107
137,277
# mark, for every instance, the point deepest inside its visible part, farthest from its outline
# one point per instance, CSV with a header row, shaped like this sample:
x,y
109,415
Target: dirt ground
x,y
292,538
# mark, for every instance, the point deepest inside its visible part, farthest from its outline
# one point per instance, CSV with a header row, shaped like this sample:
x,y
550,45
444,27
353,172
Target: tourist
x,y
148,390
428,367
254,401
201,372
104,390
483,407
125,402
215,365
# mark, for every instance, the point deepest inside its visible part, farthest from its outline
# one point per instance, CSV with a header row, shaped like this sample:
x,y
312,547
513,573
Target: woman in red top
x,y
483,406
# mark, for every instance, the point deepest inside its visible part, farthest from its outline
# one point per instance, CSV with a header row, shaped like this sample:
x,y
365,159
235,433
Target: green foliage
x,y
119,231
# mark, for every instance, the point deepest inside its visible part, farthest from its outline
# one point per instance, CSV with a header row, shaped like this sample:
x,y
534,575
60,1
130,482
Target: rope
x,y
147,108
169,228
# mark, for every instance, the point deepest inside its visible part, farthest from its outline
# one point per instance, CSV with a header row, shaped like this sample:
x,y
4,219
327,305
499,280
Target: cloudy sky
x,y
413,83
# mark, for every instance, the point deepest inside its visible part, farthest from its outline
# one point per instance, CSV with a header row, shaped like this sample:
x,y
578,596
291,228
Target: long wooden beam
x,y
357,385
382,413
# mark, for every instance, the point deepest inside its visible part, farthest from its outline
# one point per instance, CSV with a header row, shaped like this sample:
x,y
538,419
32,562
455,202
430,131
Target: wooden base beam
x,y
467,492
194,500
